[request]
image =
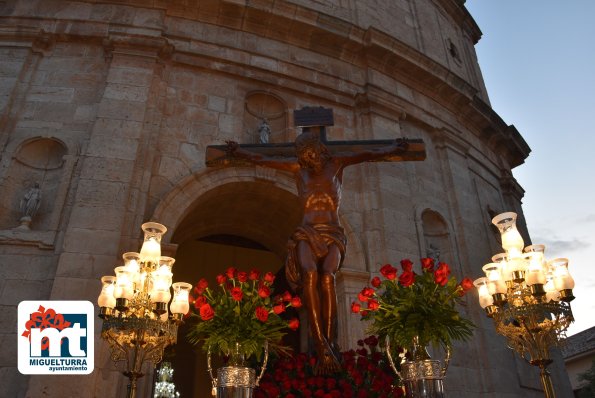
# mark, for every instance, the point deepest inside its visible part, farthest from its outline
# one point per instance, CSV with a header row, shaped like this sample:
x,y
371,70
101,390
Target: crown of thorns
x,y
307,139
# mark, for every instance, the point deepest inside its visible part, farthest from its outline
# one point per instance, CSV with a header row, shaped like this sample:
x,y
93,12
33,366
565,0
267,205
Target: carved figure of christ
x,y
317,247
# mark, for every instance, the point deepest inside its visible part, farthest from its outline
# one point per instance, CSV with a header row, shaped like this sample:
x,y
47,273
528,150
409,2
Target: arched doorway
x,y
244,224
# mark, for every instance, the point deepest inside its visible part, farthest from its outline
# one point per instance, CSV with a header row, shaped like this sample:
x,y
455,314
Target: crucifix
x,y
317,247
313,119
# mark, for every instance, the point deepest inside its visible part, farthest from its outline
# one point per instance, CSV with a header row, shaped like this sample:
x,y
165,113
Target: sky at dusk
x,y
538,62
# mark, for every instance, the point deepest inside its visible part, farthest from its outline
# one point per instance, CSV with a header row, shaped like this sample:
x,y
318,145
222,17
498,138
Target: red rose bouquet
x,y
409,305
365,374
243,310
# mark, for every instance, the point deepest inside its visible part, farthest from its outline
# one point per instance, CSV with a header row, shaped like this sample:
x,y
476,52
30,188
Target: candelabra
x,y
527,297
164,387
133,306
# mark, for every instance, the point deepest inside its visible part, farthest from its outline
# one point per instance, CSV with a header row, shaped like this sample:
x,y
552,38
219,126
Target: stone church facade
x,y
109,105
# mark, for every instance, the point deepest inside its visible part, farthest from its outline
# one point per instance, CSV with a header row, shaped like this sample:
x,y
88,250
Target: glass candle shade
x,y
551,294
179,304
496,283
535,249
132,262
151,248
535,271
512,241
166,264
160,283
485,298
562,278
500,259
106,297
124,287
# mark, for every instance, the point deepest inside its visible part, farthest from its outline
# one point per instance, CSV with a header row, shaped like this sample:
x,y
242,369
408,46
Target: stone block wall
x,y
125,96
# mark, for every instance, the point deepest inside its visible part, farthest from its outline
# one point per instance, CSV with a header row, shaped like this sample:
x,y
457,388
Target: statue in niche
x,y
265,109
29,205
264,131
433,252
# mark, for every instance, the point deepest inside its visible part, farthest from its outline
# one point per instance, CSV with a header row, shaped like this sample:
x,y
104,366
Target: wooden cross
x,y
317,247
312,118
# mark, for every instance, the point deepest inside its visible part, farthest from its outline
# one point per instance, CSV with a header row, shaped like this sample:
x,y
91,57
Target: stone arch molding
x,y
178,203
43,153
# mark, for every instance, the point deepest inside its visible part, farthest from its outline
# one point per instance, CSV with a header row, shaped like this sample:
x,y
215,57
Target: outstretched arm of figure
x,y
234,149
400,145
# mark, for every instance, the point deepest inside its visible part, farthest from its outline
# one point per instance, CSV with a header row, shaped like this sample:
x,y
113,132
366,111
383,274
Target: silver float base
x,y
235,382
424,388
423,379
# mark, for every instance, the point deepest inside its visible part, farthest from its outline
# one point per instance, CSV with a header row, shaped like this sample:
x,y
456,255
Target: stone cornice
x,y
25,36
510,186
41,239
457,10
304,28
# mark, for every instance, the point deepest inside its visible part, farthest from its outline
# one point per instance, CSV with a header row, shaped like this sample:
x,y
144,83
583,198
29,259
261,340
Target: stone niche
x,y
265,116
436,237
39,161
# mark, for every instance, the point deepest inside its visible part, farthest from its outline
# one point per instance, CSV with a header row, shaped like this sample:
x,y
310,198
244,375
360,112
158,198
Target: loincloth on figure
x,y
319,237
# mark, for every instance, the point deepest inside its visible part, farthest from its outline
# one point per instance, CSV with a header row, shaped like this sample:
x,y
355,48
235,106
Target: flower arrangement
x,y
241,314
365,374
410,306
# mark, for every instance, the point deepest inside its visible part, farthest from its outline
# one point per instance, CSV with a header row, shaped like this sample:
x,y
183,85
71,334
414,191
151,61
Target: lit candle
x,y
535,274
150,251
179,304
166,264
495,282
160,296
562,278
160,283
512,241
485,298
500,259
131,261
123,287
551,294
106,297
